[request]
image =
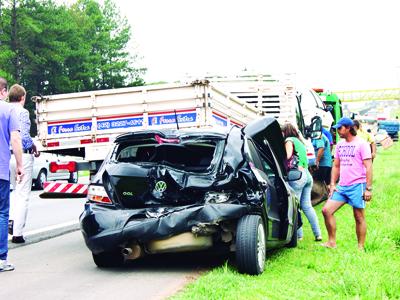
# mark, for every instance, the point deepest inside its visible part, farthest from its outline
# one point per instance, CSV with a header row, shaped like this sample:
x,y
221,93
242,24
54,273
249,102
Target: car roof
x,y
217,132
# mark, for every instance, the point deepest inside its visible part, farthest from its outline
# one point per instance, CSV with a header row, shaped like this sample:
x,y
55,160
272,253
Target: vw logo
x,y
160,187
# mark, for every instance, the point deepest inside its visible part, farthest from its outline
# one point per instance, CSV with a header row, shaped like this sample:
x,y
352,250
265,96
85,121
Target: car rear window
x,y
189,156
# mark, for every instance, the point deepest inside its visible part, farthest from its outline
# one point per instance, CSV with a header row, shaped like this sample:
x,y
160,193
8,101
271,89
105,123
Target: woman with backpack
x,y
297,158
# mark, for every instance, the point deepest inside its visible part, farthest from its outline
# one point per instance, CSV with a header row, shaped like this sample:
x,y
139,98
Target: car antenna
x,y
176,120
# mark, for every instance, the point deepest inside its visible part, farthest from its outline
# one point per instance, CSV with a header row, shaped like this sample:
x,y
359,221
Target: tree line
x,y
53,48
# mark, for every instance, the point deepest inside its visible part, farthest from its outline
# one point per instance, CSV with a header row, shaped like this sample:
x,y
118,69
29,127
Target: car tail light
x,y
70,166
97,193
162,140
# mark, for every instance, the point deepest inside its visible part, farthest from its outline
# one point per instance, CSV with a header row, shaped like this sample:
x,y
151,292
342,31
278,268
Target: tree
x,y
52,48
108,34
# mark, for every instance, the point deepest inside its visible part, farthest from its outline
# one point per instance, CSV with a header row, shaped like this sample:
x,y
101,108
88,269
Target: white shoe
x,y
6,266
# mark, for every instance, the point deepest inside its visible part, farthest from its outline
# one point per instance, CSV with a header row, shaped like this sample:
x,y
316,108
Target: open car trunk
x,y
153,170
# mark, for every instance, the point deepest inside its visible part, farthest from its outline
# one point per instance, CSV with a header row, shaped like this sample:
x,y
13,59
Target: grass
x,y
313,272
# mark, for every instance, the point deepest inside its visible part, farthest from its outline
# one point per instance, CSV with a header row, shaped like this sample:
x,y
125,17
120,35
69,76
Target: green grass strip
x,y
313,272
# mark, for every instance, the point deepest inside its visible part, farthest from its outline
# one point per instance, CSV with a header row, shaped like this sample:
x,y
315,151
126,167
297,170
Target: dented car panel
x,y
160,185
104,229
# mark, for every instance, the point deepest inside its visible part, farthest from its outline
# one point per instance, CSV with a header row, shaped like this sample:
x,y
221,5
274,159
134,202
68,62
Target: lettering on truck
x,y
69,128
169,118
120,123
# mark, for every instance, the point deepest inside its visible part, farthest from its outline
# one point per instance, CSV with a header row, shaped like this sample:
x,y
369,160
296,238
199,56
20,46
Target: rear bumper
x,y
105,229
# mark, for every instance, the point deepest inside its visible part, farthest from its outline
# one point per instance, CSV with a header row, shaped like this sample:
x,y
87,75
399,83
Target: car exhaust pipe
x,y
132,252
127,251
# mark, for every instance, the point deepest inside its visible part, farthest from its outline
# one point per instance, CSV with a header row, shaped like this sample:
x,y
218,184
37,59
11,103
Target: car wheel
x,y
293,240
250,245
41,179
108,259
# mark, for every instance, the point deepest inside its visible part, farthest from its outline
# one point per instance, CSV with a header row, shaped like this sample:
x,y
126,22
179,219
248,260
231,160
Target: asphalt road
x,y
48,218
62,268
49,212
55,263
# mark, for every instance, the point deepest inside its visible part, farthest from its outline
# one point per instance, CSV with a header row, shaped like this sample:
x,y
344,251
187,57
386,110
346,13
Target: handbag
x,y
293,162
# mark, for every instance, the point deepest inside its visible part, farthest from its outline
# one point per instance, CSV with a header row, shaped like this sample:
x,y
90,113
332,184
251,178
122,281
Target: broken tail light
x,y
97,193
216,197
162,140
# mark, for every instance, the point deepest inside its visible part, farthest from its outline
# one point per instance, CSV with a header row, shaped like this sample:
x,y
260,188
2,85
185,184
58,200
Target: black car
x,y
175,190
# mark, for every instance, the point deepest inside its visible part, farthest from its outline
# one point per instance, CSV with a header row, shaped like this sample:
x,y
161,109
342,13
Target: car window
x,y
310,99
318,100
196,156
259,161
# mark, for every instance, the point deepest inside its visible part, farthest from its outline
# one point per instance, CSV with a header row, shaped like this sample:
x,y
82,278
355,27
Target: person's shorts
x,y
323,174
352,194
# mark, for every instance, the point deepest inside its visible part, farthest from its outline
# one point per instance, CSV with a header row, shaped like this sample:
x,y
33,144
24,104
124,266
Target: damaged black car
x,y
163,191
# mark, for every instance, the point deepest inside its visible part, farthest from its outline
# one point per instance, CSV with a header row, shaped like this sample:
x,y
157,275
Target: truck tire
x,y
41,179
250,245
108,259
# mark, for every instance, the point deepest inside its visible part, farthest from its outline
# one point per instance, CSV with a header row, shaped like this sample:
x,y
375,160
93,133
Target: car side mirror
x,y
294,175
329,108
314,131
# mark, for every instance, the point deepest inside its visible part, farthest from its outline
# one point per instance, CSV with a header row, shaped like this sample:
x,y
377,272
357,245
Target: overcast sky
x,y
338,45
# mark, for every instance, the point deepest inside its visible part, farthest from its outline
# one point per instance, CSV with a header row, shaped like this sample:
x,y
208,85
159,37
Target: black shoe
x,y
10,227
18,239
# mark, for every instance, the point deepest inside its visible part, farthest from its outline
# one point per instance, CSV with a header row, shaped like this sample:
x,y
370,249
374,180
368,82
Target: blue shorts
x,y
352,194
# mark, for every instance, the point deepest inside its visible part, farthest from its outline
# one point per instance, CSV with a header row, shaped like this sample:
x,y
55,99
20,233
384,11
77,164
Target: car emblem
x,y
160,187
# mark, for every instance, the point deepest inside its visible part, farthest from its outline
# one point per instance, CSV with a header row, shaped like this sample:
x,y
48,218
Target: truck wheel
x,y
293,240
41,179
108,259
250,245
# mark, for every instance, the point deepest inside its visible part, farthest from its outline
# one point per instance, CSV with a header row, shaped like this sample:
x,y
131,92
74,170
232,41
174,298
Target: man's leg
x,y
329,209
20,197
4,210
361,226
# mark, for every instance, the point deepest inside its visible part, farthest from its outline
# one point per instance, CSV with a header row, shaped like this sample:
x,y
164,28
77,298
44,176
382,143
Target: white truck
x,y
85,124
278,96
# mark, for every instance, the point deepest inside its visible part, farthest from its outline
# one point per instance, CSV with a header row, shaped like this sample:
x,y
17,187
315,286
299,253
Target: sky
x,y
336,45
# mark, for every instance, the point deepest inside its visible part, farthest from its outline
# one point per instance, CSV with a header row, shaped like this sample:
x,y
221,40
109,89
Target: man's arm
x,y
25,124
320,153
368,167
373,150
334,176
16,146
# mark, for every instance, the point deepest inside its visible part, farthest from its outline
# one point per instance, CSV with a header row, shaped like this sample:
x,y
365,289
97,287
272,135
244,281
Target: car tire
x,y
250,245
293,240
41,179
108,259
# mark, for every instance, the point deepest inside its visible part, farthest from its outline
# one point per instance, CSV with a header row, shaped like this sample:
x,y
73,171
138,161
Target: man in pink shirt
x,y
353,164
